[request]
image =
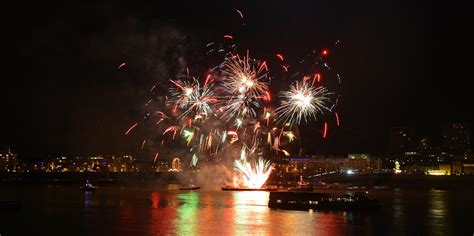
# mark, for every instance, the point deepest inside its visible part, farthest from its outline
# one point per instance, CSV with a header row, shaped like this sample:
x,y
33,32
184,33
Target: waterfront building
x,y
8,160
456,138
402,139
359,162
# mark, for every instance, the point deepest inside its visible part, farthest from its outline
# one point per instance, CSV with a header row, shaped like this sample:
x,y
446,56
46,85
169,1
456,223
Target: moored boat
x,y
319,201
191,187
88,187
301,189
302,186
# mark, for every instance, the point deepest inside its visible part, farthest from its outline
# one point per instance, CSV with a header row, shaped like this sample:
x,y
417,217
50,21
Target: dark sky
x,y
402,62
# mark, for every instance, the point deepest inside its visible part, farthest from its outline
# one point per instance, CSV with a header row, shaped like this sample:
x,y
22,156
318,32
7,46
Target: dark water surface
x,y
115,210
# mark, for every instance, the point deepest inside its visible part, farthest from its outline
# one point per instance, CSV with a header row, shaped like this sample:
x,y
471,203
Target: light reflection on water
x,y
437,211
398,210
251,212
187,222
241,213
149,211
87,198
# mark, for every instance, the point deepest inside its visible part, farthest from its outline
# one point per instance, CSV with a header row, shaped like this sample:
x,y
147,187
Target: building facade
x,y
456,138
402,139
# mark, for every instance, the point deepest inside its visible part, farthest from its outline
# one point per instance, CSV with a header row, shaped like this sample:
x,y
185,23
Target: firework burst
x,y
303,102
181,93
245,76
245,82
192,98
232,108
254,174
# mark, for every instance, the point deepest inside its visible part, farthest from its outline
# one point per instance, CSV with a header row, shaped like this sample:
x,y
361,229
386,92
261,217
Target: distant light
x,y
436,172
324,52
299,159
350,172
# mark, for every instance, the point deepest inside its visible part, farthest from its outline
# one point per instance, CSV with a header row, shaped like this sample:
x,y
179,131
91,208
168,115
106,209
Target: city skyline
x,y
436,142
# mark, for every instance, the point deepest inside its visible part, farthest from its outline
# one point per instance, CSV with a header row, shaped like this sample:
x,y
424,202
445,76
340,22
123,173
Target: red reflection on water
x,y
329,223
155,199
228,216
126,216
161,218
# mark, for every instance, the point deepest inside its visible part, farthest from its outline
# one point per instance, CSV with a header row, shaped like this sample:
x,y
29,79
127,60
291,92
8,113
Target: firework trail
x,y
240,14
131,128
122,65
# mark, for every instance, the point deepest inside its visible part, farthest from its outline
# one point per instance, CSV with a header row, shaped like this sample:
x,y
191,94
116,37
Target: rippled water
x,y
59,210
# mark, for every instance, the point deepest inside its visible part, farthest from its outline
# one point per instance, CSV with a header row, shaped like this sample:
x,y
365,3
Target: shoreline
x,y
358,183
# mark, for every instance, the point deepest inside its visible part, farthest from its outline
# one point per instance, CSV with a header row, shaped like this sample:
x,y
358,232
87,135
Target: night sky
x,y
402,62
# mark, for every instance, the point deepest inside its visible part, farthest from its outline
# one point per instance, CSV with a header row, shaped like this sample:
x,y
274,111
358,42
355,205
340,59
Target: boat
x,y
380,187
88,187
301,189
293,200
302,186
248,189
190,187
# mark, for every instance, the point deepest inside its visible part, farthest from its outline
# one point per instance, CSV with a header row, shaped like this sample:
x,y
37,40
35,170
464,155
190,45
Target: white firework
x,y
192,98
245,84
244,76
254,174
303,102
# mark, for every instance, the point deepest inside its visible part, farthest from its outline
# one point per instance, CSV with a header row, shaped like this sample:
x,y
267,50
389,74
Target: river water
x,y
134,210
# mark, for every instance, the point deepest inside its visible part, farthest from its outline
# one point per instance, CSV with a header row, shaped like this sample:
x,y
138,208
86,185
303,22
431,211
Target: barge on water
x,y
248,189
320,201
